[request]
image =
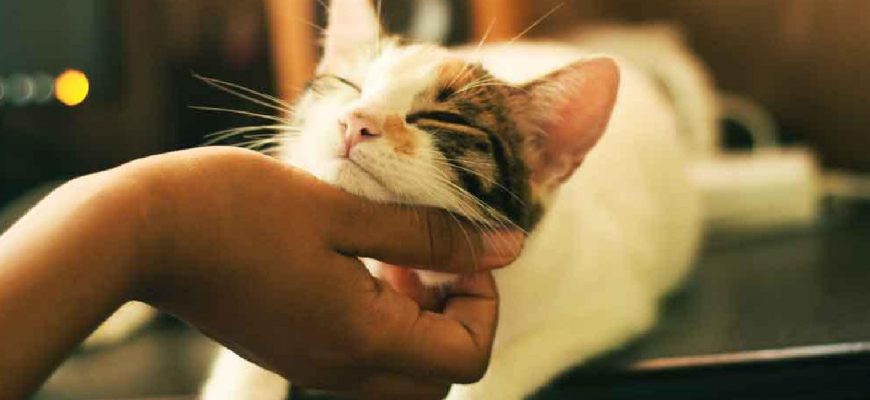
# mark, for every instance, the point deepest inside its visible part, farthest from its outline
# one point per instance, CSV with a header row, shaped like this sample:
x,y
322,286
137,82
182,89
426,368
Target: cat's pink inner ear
x,y
353,27
573,107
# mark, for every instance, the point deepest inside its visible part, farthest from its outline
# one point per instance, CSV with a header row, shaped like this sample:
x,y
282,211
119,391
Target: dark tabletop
x,y
784,315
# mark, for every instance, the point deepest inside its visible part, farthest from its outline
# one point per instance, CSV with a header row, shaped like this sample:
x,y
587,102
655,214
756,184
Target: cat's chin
x,y
359,181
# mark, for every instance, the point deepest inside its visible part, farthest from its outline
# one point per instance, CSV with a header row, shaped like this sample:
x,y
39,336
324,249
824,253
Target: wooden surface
x,y
504,19
294,44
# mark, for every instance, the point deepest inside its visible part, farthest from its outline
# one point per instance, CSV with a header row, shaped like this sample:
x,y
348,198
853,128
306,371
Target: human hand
x,y
263,258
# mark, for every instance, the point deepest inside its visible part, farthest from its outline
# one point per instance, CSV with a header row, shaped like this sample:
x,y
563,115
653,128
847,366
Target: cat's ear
x,y
566,112
353,31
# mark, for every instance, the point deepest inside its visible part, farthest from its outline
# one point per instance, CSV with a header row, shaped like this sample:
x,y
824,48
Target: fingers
x,y
454,346
426,238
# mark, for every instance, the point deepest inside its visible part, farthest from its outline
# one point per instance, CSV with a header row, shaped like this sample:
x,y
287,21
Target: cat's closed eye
x,y
325,82
439,116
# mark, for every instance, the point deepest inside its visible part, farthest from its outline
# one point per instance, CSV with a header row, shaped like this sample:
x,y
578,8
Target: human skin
x,y
259,256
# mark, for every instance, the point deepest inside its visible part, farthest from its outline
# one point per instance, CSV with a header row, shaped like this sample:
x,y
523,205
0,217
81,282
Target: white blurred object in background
x,y
760,190
768,188
431,21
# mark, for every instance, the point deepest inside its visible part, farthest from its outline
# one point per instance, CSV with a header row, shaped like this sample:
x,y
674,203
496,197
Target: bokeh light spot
x,y
71,87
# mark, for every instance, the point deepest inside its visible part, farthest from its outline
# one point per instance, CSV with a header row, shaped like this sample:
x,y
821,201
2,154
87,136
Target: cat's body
x,y
404,124
618,236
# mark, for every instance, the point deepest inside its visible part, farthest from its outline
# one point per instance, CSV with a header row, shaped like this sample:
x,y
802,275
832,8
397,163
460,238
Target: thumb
x,y
422,237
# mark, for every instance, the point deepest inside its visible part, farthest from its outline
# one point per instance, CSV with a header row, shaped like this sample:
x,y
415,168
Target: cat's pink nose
x,y
357,126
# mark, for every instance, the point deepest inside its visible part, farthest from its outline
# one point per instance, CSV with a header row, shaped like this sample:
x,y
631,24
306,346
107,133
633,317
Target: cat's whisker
x,y
535,24
485,36
433,194
319,28
323,4
470,88
257,143
471,207
465,233
492,215
447,194
483,80
447,163
458,200
480,163
244,93
228,133
242,112
476,52
476,85
264,96
219,141
482,176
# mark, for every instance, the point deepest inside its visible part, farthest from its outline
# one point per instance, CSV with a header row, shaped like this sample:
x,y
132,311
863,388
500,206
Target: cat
x,y
581,151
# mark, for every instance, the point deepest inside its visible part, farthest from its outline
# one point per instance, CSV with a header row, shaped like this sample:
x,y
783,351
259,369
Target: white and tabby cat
x,y
508,136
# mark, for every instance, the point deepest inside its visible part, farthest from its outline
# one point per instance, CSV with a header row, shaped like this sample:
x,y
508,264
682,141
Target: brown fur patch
x,y
486,153
403,139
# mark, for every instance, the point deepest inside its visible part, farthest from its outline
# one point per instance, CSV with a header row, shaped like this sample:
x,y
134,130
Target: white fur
x,y
620,234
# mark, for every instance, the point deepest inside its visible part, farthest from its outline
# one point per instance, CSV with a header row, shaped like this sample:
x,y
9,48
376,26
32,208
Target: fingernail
x,y
501,248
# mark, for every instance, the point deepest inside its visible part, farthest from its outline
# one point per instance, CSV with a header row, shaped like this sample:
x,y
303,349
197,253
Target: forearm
x,y
63,269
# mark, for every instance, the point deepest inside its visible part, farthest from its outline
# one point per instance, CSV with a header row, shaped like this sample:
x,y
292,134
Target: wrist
x,y
120,210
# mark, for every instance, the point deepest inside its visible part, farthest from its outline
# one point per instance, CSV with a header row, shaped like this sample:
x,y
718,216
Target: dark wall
x,y
156,47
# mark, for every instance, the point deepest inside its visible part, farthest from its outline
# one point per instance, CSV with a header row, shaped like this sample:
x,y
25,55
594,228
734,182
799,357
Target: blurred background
x,y
88,84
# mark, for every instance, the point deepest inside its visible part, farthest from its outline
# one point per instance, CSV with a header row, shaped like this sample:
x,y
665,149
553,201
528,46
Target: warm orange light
x,y
71,87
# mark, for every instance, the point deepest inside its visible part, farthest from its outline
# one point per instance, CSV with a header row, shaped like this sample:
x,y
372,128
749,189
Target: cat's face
x,y
416,124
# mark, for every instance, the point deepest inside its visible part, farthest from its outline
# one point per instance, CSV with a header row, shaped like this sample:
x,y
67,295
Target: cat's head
x,y
417,124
